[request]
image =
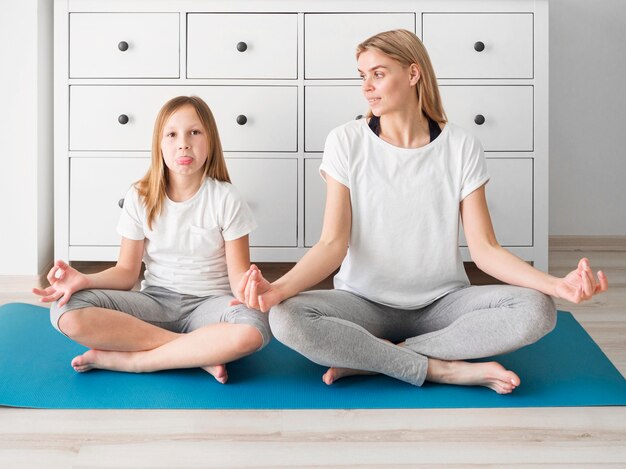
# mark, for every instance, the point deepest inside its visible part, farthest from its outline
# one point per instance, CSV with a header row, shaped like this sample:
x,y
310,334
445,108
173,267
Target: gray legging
x,y
340,329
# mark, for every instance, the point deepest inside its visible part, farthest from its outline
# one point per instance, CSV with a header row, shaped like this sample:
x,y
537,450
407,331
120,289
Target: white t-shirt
x,y
184,252
404,249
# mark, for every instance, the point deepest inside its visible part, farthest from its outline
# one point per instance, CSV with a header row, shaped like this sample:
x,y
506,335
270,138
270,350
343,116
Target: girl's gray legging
x,y
340,329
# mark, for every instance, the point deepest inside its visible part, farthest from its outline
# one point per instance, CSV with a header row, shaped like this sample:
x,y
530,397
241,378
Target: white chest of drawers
x,y
278,76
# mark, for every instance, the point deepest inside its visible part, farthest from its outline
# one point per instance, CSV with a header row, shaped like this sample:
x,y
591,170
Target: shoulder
x,y
350,131
460,137
219,191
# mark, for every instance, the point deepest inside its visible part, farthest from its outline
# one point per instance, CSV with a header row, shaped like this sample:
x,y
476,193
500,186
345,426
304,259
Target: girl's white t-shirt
x,y
404,242
184,251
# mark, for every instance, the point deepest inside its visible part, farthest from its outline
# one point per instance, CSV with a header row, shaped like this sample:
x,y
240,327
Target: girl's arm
x,y
237,260
496,261
65,280
317,264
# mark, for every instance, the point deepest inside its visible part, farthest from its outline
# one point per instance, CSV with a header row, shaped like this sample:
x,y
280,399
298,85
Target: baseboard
x,y
587,243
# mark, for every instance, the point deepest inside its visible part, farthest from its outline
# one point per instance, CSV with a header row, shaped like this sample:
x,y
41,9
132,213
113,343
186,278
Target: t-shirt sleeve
x,y
237,218
130,224
474,168
335,160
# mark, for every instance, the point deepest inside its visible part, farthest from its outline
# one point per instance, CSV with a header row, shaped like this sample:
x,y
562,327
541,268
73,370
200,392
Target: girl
x,y
397,183
191,228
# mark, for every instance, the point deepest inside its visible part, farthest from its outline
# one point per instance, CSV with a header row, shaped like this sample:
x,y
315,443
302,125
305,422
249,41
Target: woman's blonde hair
x,y
406,48
152,187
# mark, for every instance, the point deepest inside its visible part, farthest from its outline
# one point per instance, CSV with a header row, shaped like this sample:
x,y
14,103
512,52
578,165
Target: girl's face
x,y
184,143
387,85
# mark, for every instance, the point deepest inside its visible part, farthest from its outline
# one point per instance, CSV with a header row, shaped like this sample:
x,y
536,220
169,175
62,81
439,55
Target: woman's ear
x,y
414,74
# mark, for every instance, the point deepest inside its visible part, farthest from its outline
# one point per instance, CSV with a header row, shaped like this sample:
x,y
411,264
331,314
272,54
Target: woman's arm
x,y
65,280
496,261
317,264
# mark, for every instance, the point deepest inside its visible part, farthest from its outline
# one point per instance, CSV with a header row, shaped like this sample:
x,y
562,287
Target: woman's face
x,y
184,143
387,85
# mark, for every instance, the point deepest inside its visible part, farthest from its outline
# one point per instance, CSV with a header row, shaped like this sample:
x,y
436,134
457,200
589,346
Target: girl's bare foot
x,y
104,360
219,372
489,374
333,374
127,361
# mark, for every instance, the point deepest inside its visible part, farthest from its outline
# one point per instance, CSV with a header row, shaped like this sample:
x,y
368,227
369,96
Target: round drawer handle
x,y
123,46
121,203
479,46
241,119
242,46
479,119
360,116
123,119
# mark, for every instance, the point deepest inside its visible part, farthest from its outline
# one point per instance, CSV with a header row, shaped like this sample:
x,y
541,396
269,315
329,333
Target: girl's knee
x,y
249,339
71,323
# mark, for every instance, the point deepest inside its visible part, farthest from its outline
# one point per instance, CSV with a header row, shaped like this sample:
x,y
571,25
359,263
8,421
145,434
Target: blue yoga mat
x,y
565,368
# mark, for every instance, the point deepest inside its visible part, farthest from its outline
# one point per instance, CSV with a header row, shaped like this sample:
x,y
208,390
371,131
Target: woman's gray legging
x,y
340,329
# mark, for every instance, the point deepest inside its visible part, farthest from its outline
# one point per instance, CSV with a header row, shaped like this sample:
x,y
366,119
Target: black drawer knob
x,y
242,46
123,119
479,119
121,203
479,46
123,46
360,116
241,119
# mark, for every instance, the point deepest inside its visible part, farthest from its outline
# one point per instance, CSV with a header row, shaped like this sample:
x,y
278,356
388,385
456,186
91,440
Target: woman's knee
x,y
286,321
540,315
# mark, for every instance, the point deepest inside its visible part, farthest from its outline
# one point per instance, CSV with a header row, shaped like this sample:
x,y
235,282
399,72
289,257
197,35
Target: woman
x,y
397,184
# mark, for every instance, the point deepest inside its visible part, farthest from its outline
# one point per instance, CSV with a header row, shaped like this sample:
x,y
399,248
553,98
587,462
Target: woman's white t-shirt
x,y
184,251
404,242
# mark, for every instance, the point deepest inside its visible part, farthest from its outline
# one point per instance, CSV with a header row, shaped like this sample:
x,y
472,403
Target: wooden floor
x,y
422,438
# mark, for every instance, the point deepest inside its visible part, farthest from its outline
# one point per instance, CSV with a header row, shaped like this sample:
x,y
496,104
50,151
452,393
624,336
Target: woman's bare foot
x,y
333,374
489,374
127,361
219,372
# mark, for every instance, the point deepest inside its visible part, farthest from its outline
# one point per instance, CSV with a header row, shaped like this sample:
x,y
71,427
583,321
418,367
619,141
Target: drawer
x,y
330,40
454,43
327,107
510,199
242,45
507,112
270,113
269,185
314,201
124,45
96,187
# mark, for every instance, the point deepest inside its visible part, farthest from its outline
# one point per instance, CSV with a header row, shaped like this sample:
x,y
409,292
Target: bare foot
x,y
219,372
490,374
333,374
105,360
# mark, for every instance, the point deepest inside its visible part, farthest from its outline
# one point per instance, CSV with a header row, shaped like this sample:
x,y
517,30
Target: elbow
x,y
337,248
481,255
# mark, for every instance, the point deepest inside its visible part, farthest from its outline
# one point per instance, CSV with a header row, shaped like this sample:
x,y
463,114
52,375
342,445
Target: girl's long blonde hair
x,y
152,187
406,48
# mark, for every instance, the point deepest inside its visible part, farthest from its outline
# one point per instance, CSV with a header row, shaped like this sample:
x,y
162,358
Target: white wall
x,y
25,136
587,117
